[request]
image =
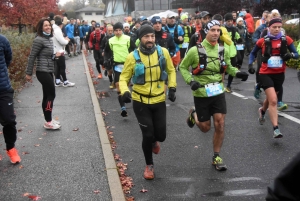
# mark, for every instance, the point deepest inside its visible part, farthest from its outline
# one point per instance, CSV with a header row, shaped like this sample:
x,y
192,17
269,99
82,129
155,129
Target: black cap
x,y
205,13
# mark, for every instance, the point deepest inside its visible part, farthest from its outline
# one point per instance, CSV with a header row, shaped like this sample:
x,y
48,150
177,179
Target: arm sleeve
x,y
8,53
127,73
226,37
291,47
230,69
188,60
131,45
298,48
253,54
192,41
256,35
170,70
35,49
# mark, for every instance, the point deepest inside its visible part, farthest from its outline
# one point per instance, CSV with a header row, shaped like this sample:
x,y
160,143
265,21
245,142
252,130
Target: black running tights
x,y
46,79
152,121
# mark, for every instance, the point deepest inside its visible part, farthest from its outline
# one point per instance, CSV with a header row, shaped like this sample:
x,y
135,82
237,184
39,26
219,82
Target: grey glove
x,y
251,69
195,85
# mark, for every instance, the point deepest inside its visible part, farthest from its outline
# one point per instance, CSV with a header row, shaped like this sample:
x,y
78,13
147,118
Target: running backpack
x,y
268,48
203,60
139,69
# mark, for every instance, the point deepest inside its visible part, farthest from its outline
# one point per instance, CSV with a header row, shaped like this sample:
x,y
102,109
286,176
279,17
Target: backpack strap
x,y
136,56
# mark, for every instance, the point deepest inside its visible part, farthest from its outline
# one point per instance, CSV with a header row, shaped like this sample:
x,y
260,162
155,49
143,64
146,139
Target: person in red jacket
x,y
250,28
94,43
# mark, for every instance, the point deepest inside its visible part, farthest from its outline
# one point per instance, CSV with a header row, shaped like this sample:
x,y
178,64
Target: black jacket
x,y
165,40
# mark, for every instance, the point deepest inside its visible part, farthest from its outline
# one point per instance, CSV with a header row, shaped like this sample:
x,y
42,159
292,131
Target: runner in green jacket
x,y
206,82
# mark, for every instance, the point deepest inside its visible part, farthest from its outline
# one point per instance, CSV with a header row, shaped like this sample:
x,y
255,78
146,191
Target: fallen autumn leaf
x,y
75,129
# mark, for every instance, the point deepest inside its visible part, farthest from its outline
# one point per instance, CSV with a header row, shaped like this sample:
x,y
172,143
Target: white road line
x,y
294,119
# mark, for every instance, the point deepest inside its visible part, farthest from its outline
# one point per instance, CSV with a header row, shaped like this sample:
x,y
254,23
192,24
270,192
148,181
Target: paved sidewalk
x,y
68,164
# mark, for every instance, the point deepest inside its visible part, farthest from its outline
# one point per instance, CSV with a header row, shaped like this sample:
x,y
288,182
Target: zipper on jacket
x,y
150,79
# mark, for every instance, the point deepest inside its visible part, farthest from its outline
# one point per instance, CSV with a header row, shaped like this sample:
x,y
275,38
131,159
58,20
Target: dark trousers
x,y
60,68
152,121
98,58
8,118
230,78
46,79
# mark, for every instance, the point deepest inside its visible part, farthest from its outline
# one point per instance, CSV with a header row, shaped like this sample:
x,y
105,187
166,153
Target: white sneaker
x,y
69,84
60,84
51,125
55,122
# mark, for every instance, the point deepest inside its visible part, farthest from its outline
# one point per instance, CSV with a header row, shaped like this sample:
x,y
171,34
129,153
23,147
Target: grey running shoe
x,y
261,118
277,133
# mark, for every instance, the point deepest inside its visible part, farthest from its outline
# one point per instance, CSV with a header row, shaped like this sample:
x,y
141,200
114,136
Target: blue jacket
x,y
179,31
257,33
5,60
85,29
80,31
70,30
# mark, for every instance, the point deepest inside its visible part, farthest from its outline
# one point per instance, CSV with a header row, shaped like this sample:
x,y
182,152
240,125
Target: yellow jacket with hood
x,y
153,89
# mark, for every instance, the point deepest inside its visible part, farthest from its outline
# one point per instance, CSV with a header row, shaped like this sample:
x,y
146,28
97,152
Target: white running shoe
x,y
51,125
60,84
69,84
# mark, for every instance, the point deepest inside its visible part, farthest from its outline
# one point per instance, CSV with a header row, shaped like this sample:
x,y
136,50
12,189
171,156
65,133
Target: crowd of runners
x,y
141,57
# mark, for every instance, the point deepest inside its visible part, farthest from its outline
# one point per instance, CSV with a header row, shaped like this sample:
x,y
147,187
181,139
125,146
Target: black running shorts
x,y
208,106
272,80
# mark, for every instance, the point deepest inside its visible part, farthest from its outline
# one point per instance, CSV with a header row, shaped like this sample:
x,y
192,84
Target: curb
x,y
111,168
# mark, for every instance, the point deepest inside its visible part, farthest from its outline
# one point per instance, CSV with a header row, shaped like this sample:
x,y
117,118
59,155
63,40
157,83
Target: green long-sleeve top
x,y
212,72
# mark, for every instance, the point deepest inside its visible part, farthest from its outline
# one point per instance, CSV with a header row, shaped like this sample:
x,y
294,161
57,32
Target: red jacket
x,y
96,43
250,23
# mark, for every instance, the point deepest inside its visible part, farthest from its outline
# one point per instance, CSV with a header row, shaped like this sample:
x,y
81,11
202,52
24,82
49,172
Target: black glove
x,y
105,63
195,85
251,69
242,75
126,97
287,56
239,41
172,96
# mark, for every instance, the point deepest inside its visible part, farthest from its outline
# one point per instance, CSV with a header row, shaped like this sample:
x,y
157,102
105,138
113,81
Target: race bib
x,y
239,47
275,62
119,68
185,45
213,89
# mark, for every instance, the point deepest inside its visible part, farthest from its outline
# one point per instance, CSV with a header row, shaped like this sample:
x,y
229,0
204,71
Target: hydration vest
x,y
203,59
268,48
139,69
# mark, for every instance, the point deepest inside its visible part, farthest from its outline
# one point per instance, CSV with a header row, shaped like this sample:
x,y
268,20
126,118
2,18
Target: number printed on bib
x,y
239,47
213,89
185,45
119,68
275,62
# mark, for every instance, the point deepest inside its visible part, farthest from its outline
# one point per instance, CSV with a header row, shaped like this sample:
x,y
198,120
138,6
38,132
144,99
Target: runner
x,y
119,46
108,60
209,62
149,66
271,73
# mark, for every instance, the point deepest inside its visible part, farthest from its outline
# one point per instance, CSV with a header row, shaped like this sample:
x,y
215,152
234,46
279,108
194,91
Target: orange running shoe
x,y
149,172
13,155
100,76
155,147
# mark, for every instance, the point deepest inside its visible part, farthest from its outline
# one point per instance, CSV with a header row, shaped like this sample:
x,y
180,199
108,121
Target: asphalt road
x,y
183,169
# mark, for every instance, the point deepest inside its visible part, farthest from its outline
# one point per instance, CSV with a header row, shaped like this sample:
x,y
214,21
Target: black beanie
x,y
228,16
145,29
118,25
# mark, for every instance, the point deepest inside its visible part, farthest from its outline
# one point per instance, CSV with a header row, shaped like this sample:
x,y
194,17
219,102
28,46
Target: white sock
x,y
66,81
57,80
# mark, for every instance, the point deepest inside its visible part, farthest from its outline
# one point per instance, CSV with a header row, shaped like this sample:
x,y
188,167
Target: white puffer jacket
x,y
59,42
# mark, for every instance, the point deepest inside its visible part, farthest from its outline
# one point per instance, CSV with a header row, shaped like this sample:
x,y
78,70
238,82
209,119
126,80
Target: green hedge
x,y
21,46
294,63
